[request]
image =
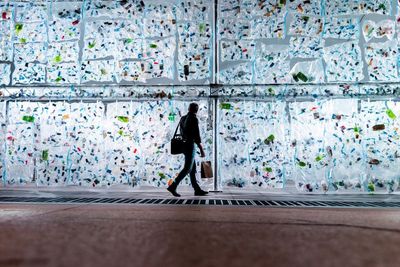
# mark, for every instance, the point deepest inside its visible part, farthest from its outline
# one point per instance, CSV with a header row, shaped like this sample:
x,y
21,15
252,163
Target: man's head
x,y
193,108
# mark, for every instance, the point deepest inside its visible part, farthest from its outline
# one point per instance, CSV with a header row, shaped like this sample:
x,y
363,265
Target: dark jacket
x,y
189,126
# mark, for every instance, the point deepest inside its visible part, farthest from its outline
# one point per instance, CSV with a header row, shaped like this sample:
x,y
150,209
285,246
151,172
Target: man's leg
x,y
193,180
189,159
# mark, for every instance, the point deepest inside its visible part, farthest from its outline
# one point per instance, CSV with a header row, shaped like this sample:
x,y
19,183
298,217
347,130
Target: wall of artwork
x,y
306,91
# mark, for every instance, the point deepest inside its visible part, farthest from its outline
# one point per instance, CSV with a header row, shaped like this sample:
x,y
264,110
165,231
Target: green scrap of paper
x,y
171,116
305,18
45,154
269,139
58,59
271,91
123,119
302,164
225,106
92,44
268,169
18,28
202,27
371,187
128,41
300,76
391,114
28,118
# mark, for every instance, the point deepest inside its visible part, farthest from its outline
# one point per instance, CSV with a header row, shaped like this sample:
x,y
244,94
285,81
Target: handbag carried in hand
x,y
206,169
178,143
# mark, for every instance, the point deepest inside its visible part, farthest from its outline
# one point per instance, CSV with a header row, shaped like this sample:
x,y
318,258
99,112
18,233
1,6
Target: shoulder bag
x,y
178,143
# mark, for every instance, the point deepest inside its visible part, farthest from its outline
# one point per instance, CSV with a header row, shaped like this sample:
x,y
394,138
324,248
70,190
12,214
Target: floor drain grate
x,y
207,202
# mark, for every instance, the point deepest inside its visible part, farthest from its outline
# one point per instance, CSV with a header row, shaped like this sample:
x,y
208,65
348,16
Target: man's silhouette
x,y
189,127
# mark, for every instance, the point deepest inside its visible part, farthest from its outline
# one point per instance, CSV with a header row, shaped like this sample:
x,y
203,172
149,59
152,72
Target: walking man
x,y
189,127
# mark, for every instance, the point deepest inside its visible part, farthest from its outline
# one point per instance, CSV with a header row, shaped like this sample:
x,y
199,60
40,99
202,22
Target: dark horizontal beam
x,y
197,85
221,97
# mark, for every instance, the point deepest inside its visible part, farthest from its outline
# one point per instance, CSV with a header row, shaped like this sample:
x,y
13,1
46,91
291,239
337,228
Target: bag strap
x,y
176,130
178,126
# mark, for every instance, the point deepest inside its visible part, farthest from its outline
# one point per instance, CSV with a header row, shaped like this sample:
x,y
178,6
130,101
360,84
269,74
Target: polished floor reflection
x,y
195,235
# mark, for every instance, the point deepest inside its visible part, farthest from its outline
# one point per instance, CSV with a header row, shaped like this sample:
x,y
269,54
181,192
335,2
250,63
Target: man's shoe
x,y
173,191
200,193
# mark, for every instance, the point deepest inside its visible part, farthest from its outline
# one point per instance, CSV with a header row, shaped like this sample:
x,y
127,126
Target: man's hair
x,y
193,107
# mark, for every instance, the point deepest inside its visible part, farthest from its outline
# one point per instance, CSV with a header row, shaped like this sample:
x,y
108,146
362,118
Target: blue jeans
x,y
188,168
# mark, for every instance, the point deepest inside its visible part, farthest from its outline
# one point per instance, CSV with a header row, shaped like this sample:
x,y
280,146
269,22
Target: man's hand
x,y
202,154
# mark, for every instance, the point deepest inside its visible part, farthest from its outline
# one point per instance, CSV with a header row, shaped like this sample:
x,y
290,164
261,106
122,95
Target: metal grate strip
x,y
211,202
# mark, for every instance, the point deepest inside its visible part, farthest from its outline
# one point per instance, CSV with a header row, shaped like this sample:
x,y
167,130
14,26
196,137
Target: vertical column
x,y
4,147
215,143
214,95
215,43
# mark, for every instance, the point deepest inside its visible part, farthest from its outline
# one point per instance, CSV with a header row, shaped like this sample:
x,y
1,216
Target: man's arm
x,y
197,138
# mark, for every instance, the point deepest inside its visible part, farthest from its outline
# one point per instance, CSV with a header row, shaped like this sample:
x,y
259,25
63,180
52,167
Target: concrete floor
x,y
129,235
